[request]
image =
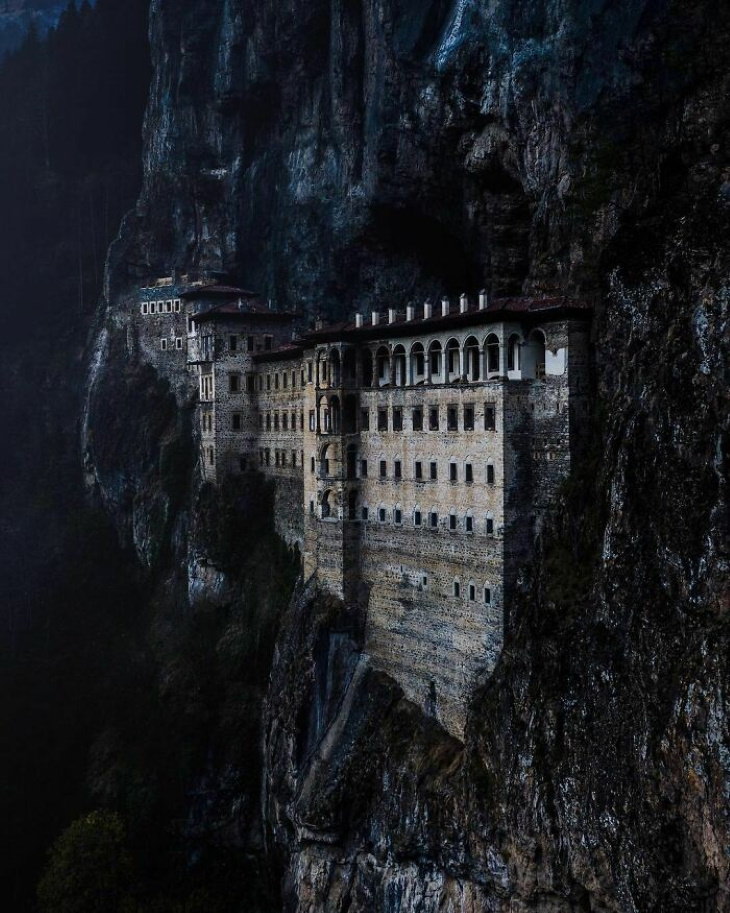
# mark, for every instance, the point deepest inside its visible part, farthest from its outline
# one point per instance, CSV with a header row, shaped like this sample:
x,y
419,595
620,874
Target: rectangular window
x,y
382,419
234,383
237,421
468,418
261,457
312,466
490,526
383,469
381,515
268,343
418,470
417,417
177,305
276,381
468,473
276,457
301,421
276,421
433,469
364,420
250,343
312,423
433,519
178,343
397,517
452,522
363,469
311,507
397,469
453,475
490,474
285,421
309,371
293,421
487,596
233,343
268,456
283,457
268,421
163,345
285,380
433,418
144,310
261,381
364,513
268,381
452,420
472,593
490,413
417,518
457,589
294,458
470,524
168,307
397,419
250,383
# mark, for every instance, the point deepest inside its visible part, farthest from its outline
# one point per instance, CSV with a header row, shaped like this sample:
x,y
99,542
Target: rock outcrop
x,y
337,154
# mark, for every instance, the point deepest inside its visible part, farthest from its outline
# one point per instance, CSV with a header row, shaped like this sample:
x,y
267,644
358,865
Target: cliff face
x,y
352,152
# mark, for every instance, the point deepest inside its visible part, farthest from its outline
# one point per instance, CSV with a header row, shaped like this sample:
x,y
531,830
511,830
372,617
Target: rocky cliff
x,y
350,152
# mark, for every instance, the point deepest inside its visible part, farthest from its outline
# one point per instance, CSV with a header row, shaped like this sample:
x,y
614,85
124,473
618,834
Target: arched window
x,y
417,517
366,368
472,591
398,515
435,362
472,358
469,522
418,363
453,360
513,353
382,361
456,589
334,372
399,366
489,526
492,354
327,504
334,412
487,593
533,361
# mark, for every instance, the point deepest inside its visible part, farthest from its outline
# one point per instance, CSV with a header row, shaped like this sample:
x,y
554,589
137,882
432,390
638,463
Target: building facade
x,y
415,456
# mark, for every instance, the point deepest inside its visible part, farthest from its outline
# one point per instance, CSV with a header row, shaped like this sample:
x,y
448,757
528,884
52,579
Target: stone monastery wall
x,y
414,459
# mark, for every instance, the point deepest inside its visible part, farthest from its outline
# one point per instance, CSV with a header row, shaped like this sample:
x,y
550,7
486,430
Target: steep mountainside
x,y
352,152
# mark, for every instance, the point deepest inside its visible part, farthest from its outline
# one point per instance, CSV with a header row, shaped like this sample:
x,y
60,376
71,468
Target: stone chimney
x,y
445,306
483,300
427,310
358,320
463,304
392,314
410,312
375,318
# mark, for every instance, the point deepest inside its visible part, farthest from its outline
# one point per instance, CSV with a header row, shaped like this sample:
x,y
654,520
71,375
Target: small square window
x,y
418,470
433,470
417,417
397,419
468,418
